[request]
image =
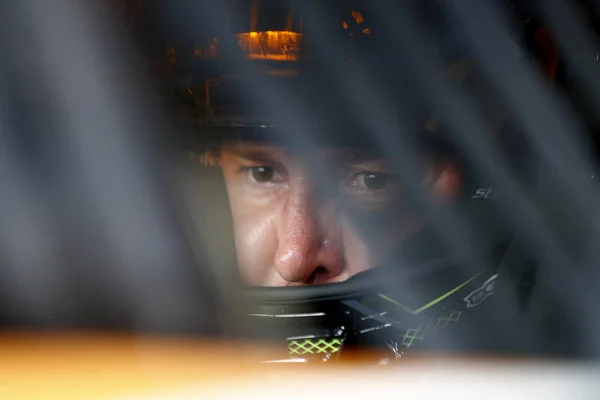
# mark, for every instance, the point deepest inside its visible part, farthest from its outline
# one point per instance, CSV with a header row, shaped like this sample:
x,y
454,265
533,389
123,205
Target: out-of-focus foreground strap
x,y
68,366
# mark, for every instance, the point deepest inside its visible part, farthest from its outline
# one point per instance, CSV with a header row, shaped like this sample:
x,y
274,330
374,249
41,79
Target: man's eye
x,y
371,181
261,174
372,189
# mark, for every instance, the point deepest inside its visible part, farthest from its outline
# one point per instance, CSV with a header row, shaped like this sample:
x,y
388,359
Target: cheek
x,y
360,253
255,235
366,247
256,245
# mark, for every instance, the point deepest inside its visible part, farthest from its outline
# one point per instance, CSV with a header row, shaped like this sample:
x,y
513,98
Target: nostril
x,y
319,275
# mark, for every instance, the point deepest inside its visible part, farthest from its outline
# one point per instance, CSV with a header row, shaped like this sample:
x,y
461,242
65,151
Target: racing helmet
x,y
429,295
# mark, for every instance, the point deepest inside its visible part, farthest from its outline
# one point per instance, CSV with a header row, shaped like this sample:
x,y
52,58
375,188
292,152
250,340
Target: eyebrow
x,y
257,156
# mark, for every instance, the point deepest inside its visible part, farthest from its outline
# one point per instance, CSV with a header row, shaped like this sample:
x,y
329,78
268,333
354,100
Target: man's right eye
x,y
261,174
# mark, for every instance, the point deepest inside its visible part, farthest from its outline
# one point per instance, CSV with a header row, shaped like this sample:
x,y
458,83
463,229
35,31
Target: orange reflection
x,y
268,45
271,45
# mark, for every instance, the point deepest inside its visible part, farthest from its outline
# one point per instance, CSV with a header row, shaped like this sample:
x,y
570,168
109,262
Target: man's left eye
x,y
371,188
371,181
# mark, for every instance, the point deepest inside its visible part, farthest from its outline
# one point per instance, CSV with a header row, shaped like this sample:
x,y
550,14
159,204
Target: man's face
x,y
313,217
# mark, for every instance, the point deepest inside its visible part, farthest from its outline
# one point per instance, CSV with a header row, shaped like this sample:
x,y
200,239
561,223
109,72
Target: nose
x,y
310,246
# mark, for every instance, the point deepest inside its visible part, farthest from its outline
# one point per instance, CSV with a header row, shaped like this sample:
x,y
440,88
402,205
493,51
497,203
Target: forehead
x,y
258,151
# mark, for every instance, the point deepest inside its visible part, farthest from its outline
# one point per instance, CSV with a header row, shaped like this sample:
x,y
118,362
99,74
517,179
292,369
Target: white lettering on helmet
x,y
484,193
479,295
